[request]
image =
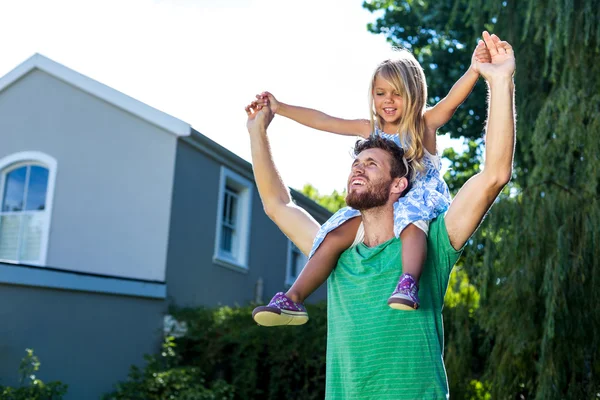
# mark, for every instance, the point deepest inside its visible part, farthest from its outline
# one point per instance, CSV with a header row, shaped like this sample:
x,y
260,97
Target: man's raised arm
x,y
477,195
298,225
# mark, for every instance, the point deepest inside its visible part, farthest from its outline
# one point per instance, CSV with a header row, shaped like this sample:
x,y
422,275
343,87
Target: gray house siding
x,y
114,176
133,206
193,277
87,340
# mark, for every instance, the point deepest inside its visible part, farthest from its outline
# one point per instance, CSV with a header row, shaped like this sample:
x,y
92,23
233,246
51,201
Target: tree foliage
x,y
535,259
332,202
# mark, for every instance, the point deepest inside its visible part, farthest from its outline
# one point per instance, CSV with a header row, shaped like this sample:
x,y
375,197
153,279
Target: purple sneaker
x,y
406,296
280,311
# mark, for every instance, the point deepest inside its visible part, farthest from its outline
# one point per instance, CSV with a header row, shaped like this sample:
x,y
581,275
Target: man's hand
x,y
259,117
503,58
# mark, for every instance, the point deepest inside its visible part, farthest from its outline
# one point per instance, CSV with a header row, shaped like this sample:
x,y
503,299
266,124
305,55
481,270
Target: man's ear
x,y
399,185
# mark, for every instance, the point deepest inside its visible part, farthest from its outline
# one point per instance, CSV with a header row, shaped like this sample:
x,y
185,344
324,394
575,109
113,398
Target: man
x,y
374,352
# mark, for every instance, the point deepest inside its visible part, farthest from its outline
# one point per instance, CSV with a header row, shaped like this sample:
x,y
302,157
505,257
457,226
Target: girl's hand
x,y
267,99
481,55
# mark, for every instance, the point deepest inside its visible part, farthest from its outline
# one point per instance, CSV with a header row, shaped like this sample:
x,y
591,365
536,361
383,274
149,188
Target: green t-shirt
x,y
374,351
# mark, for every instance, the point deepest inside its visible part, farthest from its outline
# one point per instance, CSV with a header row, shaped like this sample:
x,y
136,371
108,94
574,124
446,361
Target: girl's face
x,y
388,102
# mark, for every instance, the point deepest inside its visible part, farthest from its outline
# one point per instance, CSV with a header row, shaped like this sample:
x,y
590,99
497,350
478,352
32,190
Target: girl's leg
x,y
414,253
414,250
317,269
287,309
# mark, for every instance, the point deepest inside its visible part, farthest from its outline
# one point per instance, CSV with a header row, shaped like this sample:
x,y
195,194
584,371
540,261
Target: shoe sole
x,y
269,316
402,304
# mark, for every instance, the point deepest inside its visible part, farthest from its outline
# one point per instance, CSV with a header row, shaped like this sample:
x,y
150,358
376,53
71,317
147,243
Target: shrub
x,y
261,363
165,378
32,388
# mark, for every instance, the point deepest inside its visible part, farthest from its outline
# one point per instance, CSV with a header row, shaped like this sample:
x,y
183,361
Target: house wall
x,y
114,176
86,340
192,276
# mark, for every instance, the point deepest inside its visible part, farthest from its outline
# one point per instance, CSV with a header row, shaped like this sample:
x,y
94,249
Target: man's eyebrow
x,y
365,160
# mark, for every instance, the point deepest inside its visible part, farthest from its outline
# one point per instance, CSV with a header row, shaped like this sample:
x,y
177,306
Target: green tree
x,y
535,258
543,267
332,202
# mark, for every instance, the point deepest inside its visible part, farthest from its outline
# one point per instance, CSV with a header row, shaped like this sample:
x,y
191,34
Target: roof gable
x,y
99,90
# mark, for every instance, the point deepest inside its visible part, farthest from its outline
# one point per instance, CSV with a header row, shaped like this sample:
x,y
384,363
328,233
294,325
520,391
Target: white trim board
x,y
97,89
65,280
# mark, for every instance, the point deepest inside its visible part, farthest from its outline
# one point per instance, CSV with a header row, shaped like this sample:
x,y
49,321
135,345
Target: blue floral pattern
x,y
428,198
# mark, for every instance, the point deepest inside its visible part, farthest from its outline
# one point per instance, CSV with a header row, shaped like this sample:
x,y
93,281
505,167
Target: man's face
x,y
370,181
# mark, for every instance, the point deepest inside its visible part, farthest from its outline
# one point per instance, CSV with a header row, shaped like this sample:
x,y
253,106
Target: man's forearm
x,y
500,135
271,188
298,225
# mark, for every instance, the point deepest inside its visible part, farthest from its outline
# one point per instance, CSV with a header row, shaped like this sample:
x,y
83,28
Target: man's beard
x,y
376,197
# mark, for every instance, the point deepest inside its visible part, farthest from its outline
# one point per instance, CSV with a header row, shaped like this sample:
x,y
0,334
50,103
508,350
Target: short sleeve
x,y
439,246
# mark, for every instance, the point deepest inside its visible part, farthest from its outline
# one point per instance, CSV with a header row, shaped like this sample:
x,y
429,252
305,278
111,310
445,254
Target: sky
x,y
202,61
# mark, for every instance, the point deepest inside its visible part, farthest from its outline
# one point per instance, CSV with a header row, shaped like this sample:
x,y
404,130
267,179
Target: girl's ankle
x,y
295,297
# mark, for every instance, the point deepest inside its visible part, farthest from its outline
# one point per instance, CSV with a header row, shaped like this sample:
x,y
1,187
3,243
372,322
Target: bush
x,y
223,349
165,378
261,363
31,387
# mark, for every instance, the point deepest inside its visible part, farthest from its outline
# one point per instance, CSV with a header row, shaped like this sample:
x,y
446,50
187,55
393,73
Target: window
x,y
295,263
233,221
229,223
26,189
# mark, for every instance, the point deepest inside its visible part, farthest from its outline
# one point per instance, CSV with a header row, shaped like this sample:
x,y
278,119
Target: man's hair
x,y
399,166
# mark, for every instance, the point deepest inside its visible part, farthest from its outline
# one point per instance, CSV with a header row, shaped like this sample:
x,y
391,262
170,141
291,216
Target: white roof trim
x,y
95,88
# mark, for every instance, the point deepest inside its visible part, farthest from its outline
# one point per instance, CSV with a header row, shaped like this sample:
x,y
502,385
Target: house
x,y
111,211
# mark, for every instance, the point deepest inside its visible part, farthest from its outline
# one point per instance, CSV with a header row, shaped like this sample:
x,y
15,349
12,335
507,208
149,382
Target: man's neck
x,y
379,225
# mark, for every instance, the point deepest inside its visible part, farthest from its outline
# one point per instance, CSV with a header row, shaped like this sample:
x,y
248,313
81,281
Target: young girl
x,y
398,95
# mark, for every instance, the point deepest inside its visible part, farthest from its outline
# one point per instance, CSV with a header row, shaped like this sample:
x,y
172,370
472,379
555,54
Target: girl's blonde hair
x,y
406,76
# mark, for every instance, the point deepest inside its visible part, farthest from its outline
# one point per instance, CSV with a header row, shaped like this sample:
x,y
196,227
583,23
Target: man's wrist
x,y
259,131
500,80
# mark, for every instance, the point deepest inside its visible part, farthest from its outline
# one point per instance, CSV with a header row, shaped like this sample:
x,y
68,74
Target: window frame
x,y
37,158
289,279
245,189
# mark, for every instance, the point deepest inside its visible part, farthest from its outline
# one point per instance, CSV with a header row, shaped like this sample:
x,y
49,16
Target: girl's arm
x,y
441,113
317,119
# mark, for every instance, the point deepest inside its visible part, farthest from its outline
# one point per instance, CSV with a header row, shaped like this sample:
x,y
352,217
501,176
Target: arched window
x,y
26,185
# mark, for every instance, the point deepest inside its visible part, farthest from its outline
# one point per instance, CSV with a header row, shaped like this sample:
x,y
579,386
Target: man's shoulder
x,y
438,235
438,225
